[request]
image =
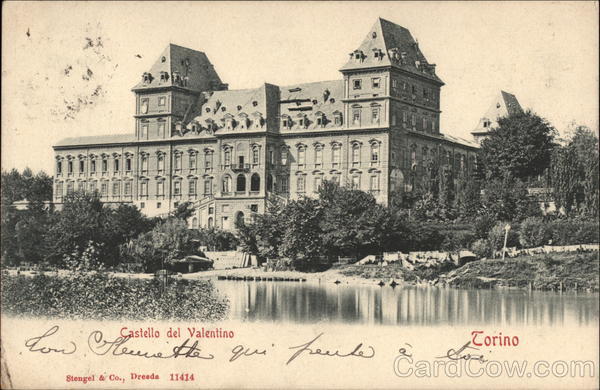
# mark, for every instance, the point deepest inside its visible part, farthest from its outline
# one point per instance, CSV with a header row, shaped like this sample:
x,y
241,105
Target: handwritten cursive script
x,y
457,354
35,344
356,352
100,346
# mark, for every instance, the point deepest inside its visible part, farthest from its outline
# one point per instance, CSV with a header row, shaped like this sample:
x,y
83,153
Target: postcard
x,y
300,195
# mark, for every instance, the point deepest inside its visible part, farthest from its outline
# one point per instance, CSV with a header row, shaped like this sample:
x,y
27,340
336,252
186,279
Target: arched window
x,y
255,182
318,155
194,223
227,157
226,184
210,222
375,152
240,183
301,155
255,155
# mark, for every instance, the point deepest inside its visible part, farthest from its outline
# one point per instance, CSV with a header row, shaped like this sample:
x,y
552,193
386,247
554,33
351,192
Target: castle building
x,y
504,104
376,129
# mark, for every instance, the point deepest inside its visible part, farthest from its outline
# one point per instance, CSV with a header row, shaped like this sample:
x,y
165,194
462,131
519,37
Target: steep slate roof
x,y
389,37
459,140
504,104
221,103
312,91
188,63
96,140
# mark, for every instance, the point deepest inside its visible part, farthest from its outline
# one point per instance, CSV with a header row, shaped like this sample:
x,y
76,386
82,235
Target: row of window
x,y
427,93
355,182
375,83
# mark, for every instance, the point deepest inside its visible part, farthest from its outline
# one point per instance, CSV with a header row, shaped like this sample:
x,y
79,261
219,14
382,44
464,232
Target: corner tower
x,y
504,104
389,66
168,93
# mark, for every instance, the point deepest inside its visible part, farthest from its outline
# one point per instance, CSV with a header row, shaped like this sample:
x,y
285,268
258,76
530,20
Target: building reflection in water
x,y
420,306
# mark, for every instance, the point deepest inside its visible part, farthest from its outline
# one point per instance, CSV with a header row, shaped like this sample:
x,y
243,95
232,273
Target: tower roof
x,y
389,44
182,67
503,104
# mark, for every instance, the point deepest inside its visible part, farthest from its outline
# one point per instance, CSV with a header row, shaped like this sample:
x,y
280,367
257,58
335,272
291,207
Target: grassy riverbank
x,y
545,272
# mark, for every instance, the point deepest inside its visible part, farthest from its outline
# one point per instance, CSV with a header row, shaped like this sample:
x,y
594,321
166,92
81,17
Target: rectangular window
x,y
375,153
375,116
93,166
208,161
144,164
81,166
272,157
337,120
318,181
59,189
374,183
93,186
404,116
225,208
128,164
160,188
69,188
162,101
319,156
255,156
357,84
414,119
116,165
177,188
355,154
70,167
193,161
301,183
158,205
81,186
207,187
104,189
144,132
376,82
301,156
115,191
394,83
178,162
192,187
142,205
104,166
127,189
160,163
424,123
335,157
144,188
284,184
355,182
161,129
433,125
227,158
356,117
59,167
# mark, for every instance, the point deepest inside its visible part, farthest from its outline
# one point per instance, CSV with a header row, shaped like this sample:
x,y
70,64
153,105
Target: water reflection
x,y
313,302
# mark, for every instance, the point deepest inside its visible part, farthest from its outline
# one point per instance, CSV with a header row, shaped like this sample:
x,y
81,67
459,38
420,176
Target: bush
x,y
481,248
422,237
572,232
458,240
534,232
97,296
496,237
483,224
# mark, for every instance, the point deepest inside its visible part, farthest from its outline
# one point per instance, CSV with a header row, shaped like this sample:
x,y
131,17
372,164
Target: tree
x,y
302,237
167,241
184,211
521,146
507,199
574,173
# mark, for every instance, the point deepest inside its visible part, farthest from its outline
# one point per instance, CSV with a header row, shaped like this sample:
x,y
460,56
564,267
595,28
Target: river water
x,y
313,302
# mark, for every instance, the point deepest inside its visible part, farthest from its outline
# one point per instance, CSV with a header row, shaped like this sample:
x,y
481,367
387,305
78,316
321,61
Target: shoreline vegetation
x,y
555,271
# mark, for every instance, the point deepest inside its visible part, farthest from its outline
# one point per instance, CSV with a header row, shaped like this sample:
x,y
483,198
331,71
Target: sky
x,y
68,68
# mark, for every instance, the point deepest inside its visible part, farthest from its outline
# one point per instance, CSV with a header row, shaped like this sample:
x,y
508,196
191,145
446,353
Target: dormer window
x,y
147,77
373,35
164,76
321,120
303,121
286,122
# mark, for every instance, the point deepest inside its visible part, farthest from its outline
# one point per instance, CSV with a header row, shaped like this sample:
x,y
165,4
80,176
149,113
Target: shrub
x,y
572,232
496,237
534,232
481,248
483,224
422,237
457,240
98,296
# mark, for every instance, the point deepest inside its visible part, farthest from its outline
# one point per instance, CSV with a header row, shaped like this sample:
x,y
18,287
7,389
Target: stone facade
x,y
376,129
